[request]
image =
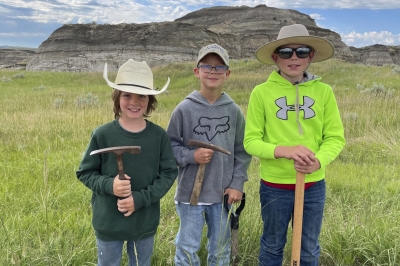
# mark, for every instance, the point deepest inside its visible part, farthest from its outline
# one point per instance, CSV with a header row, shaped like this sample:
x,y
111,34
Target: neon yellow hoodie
x,y
271,121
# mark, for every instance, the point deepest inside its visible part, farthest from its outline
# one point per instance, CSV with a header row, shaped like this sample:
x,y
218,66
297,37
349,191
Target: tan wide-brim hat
x,y
296,34
134,77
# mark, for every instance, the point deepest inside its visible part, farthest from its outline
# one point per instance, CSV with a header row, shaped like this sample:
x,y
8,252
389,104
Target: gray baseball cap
x,y
216,49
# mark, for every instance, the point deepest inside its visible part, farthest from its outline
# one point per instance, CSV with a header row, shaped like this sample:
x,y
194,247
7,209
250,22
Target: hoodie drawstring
x,y
297,109
297,104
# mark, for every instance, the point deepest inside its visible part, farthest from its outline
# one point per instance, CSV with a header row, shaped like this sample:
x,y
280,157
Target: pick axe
x,y
198,182
234,226
297,219
118,153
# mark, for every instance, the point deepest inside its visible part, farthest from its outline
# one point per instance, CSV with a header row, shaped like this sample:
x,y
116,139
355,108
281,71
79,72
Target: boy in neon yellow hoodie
x,y
293,124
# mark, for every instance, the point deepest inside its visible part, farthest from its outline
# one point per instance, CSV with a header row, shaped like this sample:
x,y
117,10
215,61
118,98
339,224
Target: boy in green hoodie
x,y
292,124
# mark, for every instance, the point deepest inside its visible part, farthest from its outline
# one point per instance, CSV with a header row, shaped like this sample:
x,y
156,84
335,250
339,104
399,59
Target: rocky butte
x,y
15,58
241,30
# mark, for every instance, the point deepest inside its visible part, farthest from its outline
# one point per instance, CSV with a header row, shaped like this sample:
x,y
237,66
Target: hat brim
x,y
324,47
213,52
133,88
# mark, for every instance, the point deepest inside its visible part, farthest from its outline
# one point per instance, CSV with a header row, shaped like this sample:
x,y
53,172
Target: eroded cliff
x,y
241,30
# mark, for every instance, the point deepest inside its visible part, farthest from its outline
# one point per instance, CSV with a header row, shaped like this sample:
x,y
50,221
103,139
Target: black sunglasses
x,y
286,53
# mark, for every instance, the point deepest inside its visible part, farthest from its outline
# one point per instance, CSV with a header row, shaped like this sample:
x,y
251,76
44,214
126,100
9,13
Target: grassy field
x,y
45,125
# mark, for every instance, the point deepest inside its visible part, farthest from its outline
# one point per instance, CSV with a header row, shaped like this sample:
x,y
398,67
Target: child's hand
x,y
203,156
307,169
300,154
126,206
122,188
234,195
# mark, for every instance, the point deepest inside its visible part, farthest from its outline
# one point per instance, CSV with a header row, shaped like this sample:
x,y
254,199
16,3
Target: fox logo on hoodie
x,y
212,126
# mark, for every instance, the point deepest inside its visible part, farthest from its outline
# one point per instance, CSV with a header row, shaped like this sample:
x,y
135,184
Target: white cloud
x,y
139,11
22,34
317,17
144,11
325,4
370,38
10,23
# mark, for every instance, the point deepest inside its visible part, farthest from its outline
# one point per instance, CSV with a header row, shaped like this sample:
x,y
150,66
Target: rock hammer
x,y
198,182
119,151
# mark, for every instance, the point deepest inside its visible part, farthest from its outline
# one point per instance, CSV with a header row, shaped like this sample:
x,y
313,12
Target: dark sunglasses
x,y
286,53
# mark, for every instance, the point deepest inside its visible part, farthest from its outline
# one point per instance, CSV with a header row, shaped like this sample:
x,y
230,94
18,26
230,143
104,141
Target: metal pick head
x,y
119,150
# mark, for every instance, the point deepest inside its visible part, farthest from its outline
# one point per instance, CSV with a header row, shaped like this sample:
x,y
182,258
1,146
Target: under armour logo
x,y
212,126
284,108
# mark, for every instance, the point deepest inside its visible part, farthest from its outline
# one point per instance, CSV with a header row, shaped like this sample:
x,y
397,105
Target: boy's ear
x,y
312,55
196,72
274,57
228,72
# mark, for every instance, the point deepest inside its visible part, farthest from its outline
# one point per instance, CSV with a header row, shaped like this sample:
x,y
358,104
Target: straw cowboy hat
x,y
296,34
134,77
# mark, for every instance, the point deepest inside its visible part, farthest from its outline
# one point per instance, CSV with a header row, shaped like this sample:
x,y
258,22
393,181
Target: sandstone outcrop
x,y
13,58
376,55
241,30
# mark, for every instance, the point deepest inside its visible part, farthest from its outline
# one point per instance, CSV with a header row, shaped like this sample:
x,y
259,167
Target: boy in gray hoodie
x,y
211,116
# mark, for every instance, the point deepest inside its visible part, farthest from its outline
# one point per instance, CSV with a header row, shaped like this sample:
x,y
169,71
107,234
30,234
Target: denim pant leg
x,y
109,253
218,234
140,252
276,213
188,239
314,201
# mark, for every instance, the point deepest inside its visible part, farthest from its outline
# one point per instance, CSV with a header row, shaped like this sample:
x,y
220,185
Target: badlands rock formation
x,y
241,30
376,55
15,58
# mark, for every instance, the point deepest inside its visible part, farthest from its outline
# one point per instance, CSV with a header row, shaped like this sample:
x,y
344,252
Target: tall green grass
x,y
47,118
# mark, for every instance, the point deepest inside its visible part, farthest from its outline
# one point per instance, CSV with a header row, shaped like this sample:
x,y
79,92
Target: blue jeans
x,y
277,207
188,239
139,252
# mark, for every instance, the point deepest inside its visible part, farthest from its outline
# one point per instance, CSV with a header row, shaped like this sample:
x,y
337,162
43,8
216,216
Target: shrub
x,y
396,69
88,100
359,87
41,87
5,79
378,90
58,103
19,76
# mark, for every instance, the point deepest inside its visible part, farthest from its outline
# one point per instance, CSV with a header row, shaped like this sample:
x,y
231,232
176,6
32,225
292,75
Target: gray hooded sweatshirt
x,y
221,123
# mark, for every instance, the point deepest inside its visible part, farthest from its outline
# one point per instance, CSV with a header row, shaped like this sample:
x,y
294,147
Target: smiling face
x,y
292,68
133,106
213,80
116,96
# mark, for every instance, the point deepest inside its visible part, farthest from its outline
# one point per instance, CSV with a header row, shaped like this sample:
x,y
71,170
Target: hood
x,y
196,97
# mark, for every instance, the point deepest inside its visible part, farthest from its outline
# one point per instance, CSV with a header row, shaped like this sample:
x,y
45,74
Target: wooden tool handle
x,y
198,182
121,173
297,219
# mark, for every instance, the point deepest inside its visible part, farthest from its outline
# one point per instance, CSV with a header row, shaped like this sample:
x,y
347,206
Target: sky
x,y
27,23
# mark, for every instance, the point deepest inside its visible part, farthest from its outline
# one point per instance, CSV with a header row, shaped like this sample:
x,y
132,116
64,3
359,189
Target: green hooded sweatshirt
x,y
272,120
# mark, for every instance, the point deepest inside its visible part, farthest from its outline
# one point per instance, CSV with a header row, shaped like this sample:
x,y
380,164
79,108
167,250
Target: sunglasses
x,y
286,53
